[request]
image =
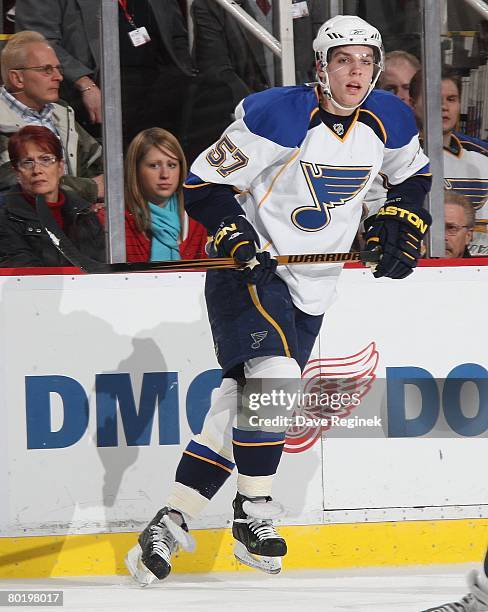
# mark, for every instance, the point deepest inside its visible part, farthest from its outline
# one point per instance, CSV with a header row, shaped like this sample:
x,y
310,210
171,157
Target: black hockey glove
x,y
236,237
262,272
398,232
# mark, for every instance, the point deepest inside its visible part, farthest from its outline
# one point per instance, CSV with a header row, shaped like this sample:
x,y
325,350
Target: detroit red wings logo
x,y
327,378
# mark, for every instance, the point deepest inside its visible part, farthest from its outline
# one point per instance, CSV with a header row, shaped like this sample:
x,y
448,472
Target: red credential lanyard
x,y
129,18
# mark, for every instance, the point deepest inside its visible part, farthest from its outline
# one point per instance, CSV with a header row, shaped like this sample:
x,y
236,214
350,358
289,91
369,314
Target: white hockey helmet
x,y
347,30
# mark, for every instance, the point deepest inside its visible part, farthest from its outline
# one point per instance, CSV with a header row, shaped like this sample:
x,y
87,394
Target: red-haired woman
x,y
37,157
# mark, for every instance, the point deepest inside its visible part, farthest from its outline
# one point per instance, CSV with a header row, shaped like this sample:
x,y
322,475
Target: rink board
x,y
79,353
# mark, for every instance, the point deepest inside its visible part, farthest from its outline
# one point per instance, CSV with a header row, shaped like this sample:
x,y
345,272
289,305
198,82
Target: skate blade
x,y
137,569
270,565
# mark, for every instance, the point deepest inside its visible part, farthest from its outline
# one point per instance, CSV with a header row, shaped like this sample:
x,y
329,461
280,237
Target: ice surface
x,y
381,590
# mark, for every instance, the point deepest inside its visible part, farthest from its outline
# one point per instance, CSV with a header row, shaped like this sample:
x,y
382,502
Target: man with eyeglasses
x,y
459,223
32,75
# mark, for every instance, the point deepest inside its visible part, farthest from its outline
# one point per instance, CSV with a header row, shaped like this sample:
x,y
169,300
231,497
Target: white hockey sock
x,y
254,486
187,500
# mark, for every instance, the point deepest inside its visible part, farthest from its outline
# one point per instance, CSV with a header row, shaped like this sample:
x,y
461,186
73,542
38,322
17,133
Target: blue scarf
x,y
165,225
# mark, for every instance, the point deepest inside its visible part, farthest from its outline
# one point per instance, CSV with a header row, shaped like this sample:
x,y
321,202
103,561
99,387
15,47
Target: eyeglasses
x,y
47,69
45,161
452,229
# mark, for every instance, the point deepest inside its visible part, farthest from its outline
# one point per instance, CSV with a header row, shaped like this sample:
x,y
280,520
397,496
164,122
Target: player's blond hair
x,y
135,201
14,53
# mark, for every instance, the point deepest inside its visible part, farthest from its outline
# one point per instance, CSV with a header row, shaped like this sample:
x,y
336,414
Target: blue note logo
x,y
330,186
476,190
258,337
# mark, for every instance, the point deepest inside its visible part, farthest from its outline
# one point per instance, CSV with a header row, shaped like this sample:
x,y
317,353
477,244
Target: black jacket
x,y
24,243
223,47
72,26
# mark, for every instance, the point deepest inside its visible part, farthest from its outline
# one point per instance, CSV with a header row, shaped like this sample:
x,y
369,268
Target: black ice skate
x,y
258,544
475,601
150,558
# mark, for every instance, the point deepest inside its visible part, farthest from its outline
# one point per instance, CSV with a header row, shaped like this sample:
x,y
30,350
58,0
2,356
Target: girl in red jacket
x,y
156,225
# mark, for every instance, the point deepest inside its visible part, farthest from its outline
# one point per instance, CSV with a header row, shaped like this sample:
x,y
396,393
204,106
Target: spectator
x,y
146,69
459,224
233,63
465,157
157,227
72,28
37,157
400,67
30,96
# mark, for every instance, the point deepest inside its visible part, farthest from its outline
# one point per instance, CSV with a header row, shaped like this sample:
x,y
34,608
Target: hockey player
x,y
477,599
289,175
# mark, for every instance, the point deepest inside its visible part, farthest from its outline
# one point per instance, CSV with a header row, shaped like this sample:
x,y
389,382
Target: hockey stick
x,y
80,260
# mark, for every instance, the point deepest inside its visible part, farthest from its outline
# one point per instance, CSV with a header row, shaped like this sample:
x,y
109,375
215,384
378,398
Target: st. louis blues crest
x,y
476,190
330,186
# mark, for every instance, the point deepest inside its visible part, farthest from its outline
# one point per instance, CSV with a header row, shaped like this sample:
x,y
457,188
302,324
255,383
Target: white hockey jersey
x,y
466,171
301,183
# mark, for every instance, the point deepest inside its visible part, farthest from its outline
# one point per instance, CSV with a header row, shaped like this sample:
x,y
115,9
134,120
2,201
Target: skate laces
x,y
167,535
469,603
478,585
162,542
259,517
263,529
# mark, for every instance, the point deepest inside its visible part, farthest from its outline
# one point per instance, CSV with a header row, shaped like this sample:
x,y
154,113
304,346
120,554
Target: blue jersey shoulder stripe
x,y
396,117
470,143
371,120
281,114
193,181
315,119
424,171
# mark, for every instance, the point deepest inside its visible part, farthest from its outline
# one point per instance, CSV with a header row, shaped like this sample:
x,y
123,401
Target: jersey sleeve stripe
x,y
424,171
473,146
185,186
314,112
193,181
